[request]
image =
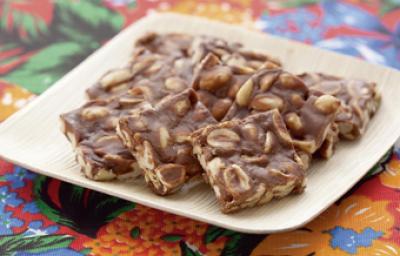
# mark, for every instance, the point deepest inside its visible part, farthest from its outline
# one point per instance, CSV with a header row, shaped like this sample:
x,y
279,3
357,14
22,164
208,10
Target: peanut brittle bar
x,y
250,161
91,131
231,54
163,74
157,56
218,78
216,85
359,101
308,118
158,137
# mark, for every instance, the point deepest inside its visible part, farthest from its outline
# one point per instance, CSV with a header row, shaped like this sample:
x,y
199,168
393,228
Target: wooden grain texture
x,y
31,138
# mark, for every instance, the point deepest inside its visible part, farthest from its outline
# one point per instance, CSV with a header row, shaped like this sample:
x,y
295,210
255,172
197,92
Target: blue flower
x,y
8,199
304,25
373,50
348,240
35,228
299,24
338,13
7,222
18,176
31,207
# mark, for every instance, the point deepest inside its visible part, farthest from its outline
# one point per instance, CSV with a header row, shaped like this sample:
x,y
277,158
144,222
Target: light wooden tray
x,y
31,138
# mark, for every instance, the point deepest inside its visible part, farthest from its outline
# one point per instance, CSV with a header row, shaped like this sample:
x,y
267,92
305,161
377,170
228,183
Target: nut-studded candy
x,y
158,61
217,84
268,89
359,101
231,54
328,146
158,57
316,122
201,46
147,70
250,161
161,144
91,131
166,44
308,118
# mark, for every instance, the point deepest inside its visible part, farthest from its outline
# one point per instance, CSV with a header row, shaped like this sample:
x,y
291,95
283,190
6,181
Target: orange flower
x,y
391,176
382,248
145,231
354,226
12,98
182,224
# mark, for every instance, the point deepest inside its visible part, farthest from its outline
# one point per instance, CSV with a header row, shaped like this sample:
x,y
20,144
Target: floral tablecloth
x,y
42,40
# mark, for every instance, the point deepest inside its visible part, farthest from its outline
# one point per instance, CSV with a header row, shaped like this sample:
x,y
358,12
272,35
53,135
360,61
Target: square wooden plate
x,y
32,138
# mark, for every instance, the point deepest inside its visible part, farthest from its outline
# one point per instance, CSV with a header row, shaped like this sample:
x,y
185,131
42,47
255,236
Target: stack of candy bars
x,y
188,106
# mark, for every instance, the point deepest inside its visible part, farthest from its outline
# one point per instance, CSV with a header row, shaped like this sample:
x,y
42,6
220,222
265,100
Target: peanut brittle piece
x,y
359,101
163,75
216,85
158,57
308,118
91,131
231,54
159,139
250,161
217,79
158,61
166,44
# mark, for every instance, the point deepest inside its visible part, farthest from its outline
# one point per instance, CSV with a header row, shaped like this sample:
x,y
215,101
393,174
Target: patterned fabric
x,y
42,40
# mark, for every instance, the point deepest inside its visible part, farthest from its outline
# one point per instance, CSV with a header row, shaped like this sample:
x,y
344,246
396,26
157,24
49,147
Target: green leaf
x,y
297,3
47,242
388,6
86,251
83,210
86,22
83,38
135,232
77,29
171,238
240,244
33,244
7,46
26,20
231,247
187,250
90,14
8,60
77,193
45,205
48,65
213,233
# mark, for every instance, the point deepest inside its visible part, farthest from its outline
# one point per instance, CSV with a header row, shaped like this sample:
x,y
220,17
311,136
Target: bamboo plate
x,y
31,138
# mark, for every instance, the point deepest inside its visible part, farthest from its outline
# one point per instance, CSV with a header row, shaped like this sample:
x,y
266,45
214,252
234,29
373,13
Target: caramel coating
x,y
249,161
161,146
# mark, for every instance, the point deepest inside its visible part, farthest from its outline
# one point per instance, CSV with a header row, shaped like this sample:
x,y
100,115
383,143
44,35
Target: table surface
x,y
42,40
